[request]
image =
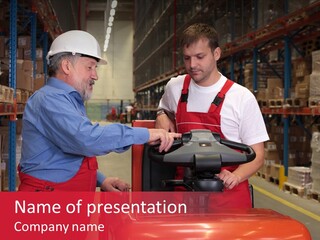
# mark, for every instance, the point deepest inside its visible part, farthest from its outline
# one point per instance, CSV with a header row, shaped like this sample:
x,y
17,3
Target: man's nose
x,y
94,75
193,62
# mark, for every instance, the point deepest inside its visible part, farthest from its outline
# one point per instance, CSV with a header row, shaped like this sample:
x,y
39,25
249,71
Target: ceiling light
x,y
114,4
111,15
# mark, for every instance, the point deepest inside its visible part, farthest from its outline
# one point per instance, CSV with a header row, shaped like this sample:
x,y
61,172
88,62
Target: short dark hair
x,y
197,31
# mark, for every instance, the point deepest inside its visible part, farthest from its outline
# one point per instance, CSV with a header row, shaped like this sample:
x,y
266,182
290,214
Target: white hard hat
x,y
76,41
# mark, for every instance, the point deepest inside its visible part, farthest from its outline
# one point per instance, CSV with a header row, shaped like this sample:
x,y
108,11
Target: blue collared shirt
x,y
57,134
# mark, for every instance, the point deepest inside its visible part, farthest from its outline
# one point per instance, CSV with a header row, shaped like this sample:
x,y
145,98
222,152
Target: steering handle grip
x,y
203,143
250,153
158,156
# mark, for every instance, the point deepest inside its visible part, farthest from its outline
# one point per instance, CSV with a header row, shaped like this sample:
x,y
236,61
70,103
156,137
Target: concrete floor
x,y
306,211
266,194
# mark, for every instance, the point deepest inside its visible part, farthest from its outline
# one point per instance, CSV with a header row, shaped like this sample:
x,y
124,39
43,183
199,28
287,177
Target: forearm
x,y
245,171
163,121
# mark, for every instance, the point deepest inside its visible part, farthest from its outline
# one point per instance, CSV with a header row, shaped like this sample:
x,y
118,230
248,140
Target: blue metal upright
x,y
286,94
287,80
33,18
12,168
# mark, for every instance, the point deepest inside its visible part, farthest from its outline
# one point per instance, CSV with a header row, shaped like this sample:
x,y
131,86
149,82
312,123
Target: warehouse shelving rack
x,y
39,19
292,31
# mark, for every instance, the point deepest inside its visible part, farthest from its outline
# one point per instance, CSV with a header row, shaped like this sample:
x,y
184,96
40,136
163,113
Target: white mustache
x,y
92,82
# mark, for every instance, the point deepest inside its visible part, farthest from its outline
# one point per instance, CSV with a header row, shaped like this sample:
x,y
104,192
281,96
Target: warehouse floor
x,y
266,194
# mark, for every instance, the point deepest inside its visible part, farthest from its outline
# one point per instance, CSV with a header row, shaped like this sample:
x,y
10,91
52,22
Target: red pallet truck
x,y
154,172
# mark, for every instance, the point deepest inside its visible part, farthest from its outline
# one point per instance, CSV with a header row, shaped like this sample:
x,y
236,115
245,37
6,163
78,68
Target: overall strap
x,y
220,96
185,89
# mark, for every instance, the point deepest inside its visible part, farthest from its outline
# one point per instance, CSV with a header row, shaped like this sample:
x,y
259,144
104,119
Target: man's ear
x,y
217,53
65,66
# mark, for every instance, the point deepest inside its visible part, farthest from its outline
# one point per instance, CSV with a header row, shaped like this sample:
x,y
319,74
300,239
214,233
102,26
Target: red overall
x,y
238,197
85,180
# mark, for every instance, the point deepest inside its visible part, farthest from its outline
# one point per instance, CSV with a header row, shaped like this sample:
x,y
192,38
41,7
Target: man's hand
x,y
114,184
230,180
162,137
164,122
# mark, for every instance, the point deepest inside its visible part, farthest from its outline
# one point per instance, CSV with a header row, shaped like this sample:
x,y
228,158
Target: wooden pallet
x,y
262,33
310,46
314,102
273,180
262,103
293,189
275,103
314,195
296,18
296,102
262,175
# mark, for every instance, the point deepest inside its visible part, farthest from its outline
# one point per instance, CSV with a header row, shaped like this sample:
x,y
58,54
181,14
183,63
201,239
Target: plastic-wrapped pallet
x,y
299,181
315,162
316,61
299,176
314,88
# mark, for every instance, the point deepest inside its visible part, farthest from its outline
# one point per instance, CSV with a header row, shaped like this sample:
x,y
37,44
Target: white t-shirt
x,y
241,118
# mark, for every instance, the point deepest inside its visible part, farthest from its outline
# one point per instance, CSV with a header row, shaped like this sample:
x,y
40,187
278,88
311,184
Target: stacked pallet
x,y
301,69
299,151
314,93
299,181
315,166
269,85
269,170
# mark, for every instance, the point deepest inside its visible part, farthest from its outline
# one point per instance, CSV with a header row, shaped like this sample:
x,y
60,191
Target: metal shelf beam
x,y
304,111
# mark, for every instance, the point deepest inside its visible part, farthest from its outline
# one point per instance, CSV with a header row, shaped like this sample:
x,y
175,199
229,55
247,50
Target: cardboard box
x,y
316,61
271,146
38,54
39,66
19,53
38,82
274,170
24,80
274,83
302,90
2,46
27,65
24,42
271,155
314,84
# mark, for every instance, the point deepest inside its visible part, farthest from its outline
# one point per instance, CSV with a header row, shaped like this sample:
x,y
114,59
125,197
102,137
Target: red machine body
x,y
224,224
228,225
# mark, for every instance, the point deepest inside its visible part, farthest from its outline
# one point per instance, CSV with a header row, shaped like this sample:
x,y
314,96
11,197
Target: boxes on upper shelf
x,y
2,46
24,42
38,54
316,61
